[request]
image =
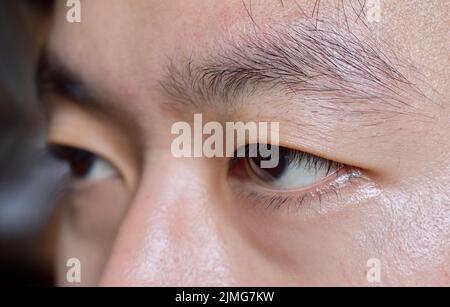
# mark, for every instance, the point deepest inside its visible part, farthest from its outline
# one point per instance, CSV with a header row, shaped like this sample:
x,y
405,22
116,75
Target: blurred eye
x,y
84,165
294,170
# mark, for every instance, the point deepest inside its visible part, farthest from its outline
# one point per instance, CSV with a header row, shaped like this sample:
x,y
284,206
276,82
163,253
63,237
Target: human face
x,y
368,101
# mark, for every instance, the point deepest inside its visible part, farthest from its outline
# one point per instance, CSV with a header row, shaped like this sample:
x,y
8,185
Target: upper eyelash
x,y
312,162
288,199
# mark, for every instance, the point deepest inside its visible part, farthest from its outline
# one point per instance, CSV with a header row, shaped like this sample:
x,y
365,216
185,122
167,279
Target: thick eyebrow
x,y
53,76
328,65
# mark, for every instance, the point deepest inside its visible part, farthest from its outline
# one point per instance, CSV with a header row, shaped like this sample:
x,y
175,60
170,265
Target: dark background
x,y
28,176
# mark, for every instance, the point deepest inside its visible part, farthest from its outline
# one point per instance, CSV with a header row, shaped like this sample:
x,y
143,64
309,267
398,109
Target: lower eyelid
x,y
300,199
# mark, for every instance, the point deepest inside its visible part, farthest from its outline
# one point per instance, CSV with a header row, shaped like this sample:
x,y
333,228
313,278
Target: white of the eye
x,y
295,175
100,170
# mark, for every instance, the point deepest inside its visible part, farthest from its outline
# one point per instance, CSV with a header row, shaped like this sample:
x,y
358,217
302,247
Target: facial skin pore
x,y
371,96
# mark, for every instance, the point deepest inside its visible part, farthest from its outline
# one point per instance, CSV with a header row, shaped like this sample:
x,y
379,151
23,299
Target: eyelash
x,y
297,157
287,201
343,176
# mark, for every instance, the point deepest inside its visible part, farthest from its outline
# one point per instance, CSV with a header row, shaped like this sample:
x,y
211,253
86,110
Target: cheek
x,y
414,233
96,212
89,222
90,257
331,249
406,231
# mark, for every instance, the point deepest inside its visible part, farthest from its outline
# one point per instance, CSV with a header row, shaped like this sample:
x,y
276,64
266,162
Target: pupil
x,y
276,172
80,161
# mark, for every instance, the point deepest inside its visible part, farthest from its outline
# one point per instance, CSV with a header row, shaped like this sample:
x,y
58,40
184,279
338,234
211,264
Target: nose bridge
x,y
170,235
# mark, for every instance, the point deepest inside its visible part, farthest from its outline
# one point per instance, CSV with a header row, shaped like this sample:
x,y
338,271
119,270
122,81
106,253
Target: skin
x,y
168,221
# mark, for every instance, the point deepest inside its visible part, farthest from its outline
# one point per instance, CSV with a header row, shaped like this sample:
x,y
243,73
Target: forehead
x,y
155,30
199,19
130,42
147,27
126,42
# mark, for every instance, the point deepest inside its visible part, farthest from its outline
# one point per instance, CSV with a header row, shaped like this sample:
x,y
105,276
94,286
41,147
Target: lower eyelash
x,y
288,201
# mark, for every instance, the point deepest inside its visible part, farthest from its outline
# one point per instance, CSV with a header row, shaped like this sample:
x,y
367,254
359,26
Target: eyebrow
x,y
53,75
324,64
321,63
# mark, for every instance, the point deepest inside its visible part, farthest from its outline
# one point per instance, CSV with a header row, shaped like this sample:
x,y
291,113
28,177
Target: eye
x,y
295,169
84,165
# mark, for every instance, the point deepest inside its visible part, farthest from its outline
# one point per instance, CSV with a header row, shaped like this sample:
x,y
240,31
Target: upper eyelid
x,y
303,153
314,163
